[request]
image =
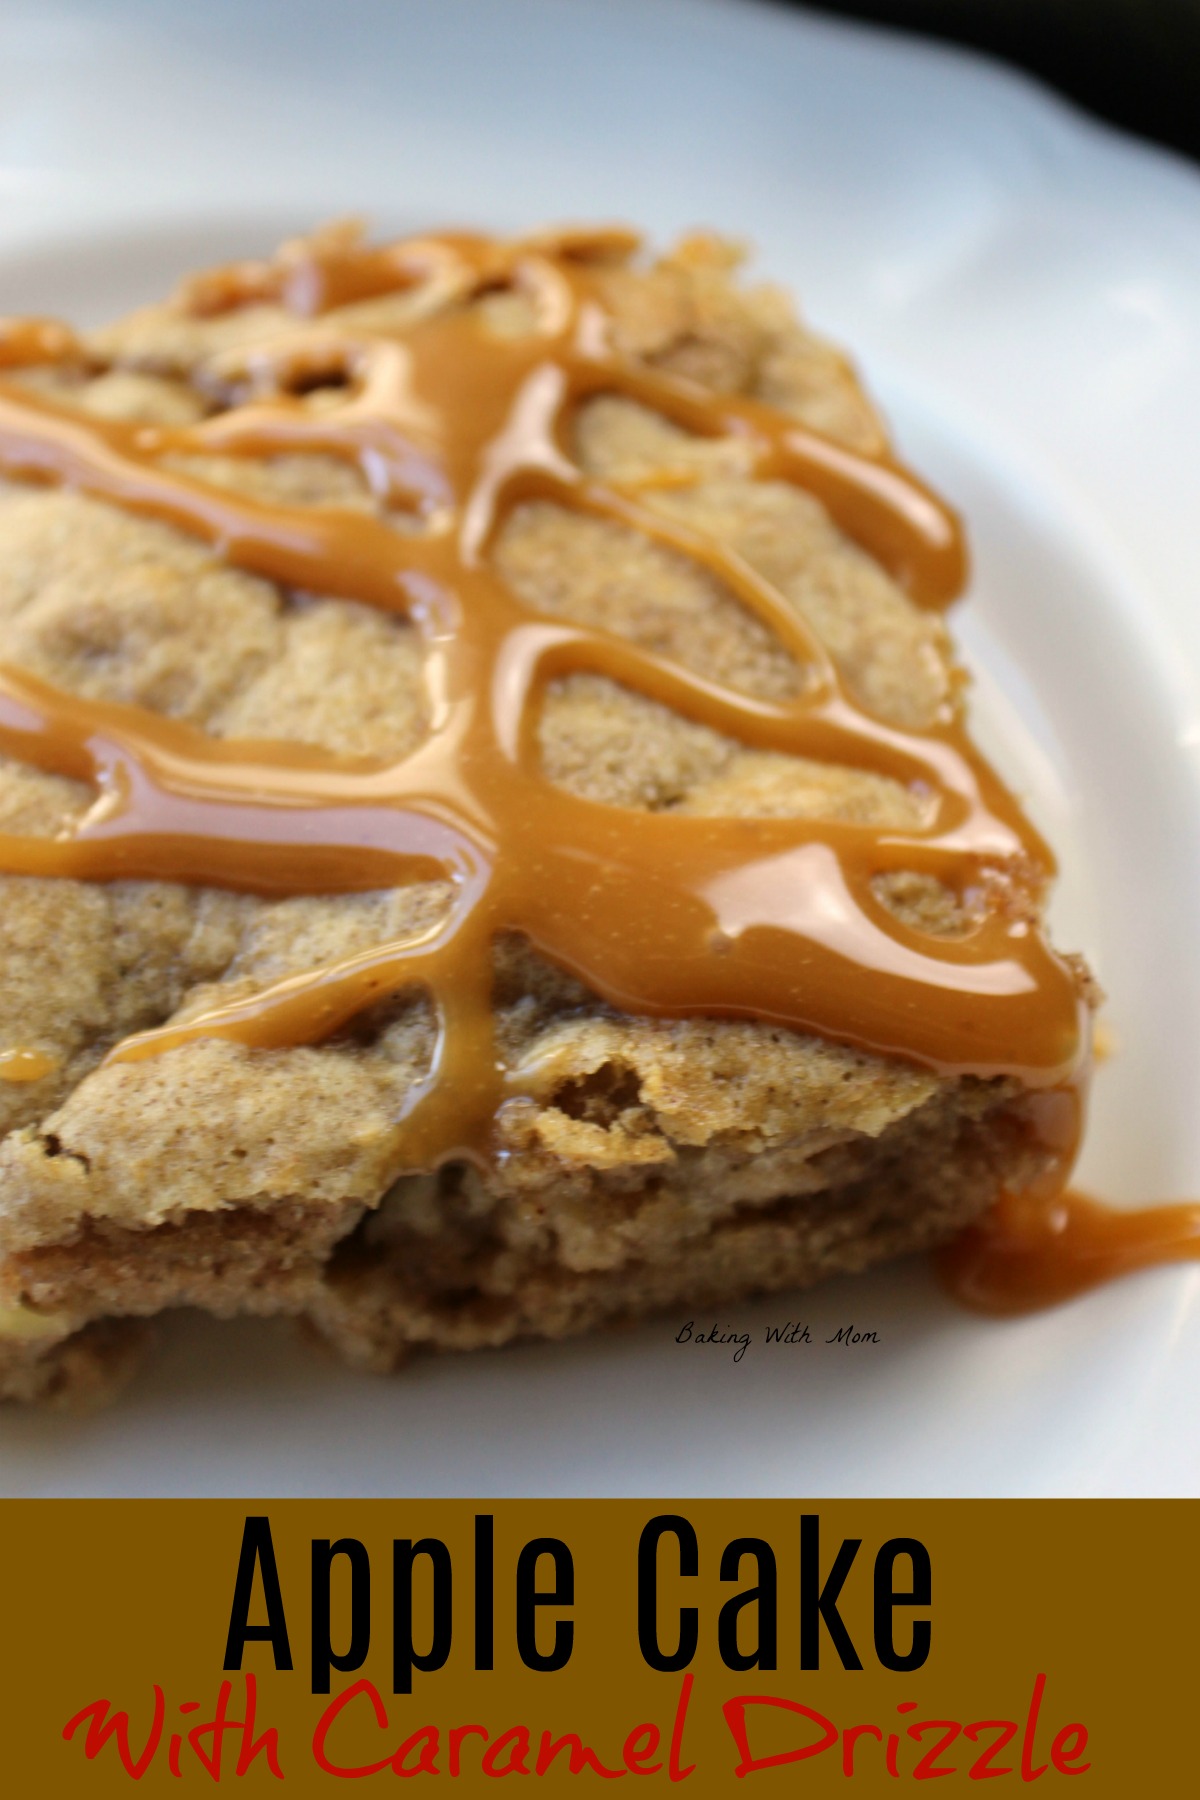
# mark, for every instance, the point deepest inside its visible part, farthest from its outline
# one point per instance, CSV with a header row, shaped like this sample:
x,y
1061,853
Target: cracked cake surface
x,y
636,1159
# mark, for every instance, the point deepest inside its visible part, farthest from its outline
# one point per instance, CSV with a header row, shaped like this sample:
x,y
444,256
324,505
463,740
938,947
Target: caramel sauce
x,y
26,1065
1037,1249
454,424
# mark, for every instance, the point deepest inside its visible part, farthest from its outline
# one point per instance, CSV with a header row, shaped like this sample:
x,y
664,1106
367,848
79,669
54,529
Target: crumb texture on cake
x,y
644,1162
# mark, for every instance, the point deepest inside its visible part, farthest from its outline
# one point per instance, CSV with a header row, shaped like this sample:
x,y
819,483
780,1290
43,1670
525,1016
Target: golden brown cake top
x,y
454,381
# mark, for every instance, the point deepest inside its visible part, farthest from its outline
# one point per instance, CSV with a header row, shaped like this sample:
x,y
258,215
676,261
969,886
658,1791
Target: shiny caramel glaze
x,y
1036,1249
452,424
1047,1243
26,1065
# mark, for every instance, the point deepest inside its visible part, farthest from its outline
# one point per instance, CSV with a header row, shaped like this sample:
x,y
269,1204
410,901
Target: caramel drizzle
x,y
19,1066
1037,1249
658,914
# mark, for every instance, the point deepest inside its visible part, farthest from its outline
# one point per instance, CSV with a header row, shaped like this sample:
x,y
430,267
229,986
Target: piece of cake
x,y
488,841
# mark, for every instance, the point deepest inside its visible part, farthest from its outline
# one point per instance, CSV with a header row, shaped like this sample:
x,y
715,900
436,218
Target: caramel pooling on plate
x,y
1036,1249
452,425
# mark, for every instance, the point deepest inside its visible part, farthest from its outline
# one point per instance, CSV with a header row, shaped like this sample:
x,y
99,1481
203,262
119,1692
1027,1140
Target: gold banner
x,y
723,1646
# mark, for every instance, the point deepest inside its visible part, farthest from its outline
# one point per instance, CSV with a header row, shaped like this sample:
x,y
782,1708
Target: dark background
x,y
1133,62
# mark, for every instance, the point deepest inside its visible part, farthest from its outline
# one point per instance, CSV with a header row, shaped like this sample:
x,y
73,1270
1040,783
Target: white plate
x,y
1023,289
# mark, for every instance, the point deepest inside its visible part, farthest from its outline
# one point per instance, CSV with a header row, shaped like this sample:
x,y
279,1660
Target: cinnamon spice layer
x,y
453,424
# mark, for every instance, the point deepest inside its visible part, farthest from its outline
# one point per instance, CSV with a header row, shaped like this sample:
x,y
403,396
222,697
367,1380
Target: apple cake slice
x,y
488,837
